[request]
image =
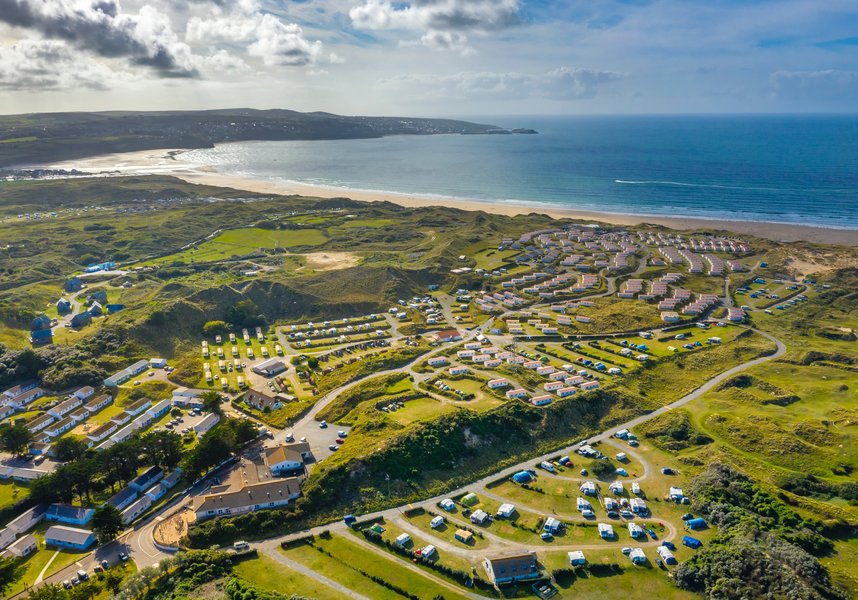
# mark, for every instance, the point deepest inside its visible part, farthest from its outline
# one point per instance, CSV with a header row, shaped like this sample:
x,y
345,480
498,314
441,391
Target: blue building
x,y
66,513
112,308
147,479
123,498
69,537
41,322
97,296
81,320
43,336
73,285
64,307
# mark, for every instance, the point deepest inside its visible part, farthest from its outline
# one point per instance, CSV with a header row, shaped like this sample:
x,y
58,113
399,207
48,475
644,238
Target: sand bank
x,y
170,162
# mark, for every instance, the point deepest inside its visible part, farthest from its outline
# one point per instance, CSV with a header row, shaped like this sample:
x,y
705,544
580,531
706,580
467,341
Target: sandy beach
x,y
170,162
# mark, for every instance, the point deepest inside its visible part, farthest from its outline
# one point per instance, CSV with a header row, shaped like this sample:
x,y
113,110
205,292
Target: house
x,y
96,310
480,517
258,496
541,400
101,432
146,479
287,458
565,392
458,370
98,296
81,320
437,361
494,384
576,558
60,427
27,520
157,363
447,335
637,556
160,409
123,498
73,285
41,336
84,392
261,401
512,567
23,546
517,393
269,368
506,510
40,422
65,407
138,406
464,536
66,513
69,537
122,418
552,525
136,508
114,308
124,375
16,390
25,397
206,424
6,411
606,531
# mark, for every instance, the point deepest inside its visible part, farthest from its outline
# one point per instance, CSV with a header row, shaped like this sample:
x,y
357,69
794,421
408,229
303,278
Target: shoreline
x,y
169,162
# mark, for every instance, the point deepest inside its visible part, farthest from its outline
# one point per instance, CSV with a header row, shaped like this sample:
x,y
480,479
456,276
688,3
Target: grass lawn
x,y
401,386
269,574
12,492
239,242
646,581
420,409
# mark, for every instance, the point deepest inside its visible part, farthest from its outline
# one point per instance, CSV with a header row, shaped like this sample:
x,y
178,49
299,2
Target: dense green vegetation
x,y
763,548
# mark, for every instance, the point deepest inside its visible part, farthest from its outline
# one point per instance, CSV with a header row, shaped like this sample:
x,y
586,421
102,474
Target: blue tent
x,y
691,542
697,523
522,477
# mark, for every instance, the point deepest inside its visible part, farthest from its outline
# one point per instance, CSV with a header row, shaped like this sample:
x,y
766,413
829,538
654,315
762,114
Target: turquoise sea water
x,y
787,169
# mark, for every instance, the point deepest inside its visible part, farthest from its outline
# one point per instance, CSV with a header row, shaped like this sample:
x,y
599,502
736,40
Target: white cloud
x,y
563,83
268,37
442,21
830,84
224,62
50,65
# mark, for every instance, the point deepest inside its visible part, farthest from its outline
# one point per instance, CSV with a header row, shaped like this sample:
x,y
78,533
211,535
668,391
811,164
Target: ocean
x,y
780,169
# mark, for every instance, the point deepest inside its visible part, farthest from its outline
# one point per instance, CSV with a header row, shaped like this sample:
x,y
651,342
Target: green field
x,y
270,575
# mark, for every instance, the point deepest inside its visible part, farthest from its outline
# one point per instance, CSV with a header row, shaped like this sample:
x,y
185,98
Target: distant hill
x,y
50,137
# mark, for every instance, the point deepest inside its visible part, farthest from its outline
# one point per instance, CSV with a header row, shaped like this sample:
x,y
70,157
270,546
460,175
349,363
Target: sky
x,y
431,57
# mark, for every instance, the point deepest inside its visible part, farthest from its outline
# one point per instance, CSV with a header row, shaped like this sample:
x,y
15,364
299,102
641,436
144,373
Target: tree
x,y
16,439
113,580
70,448
211,402
47,592
106,523
11,570
164,448
213,328
603,469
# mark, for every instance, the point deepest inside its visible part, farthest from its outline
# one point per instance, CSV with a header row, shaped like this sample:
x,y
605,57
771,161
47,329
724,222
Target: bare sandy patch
x,y
331,261
170,532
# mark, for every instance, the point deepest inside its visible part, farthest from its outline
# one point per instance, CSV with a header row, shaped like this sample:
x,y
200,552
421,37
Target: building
x,y
124,375
101,432
160,409
287,458
66,513
464,536
136,508
123,498
41,336
258,496
508,568
69,537
73,285
23,398
60,427
138,406
40,422
65,407
269,368
81,320
206,424
447,335
157,363
27,520
23,546
261,401
146,479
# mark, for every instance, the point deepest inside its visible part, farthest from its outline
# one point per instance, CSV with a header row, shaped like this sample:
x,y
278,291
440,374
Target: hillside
x,y
46,137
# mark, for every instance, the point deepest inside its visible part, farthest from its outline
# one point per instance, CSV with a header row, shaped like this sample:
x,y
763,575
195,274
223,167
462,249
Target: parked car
x,y
323,424
333,447
340,441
